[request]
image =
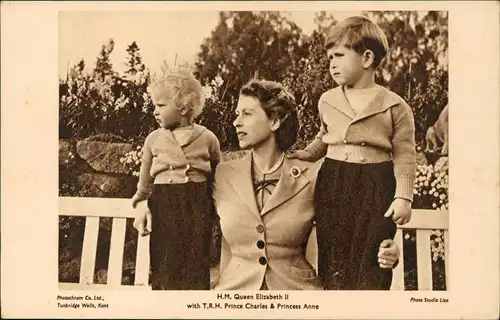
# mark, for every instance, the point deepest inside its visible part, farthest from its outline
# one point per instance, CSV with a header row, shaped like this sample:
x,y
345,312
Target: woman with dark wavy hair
x,y
265,201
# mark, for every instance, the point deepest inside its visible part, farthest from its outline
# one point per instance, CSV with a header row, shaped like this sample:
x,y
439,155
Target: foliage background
x,y
266,45
105,105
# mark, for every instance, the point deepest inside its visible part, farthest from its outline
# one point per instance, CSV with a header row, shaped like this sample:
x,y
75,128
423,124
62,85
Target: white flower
x,y
218,81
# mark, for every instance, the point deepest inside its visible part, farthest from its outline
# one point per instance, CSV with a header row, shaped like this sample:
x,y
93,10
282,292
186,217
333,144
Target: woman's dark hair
x,y
278,104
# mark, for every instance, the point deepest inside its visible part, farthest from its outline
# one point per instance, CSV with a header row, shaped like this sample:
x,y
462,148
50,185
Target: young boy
x,y
367,135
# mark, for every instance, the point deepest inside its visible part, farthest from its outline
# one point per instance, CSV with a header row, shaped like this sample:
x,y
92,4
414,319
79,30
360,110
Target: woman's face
x,y
253,126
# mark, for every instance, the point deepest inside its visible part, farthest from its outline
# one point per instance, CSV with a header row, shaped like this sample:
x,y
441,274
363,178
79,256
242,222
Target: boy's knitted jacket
x,y
164,161
383,131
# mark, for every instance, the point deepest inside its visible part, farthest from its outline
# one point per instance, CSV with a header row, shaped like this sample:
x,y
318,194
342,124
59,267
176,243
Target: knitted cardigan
x,y
164,160
386,125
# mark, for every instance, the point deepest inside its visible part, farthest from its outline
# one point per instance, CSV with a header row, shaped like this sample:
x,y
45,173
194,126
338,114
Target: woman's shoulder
x,y
230,161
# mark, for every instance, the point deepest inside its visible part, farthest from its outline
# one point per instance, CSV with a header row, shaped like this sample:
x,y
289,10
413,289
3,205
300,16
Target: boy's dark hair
x,y
359,34
279,104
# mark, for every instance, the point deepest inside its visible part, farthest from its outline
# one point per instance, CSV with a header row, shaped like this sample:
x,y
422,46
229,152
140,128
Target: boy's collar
x,y
382,101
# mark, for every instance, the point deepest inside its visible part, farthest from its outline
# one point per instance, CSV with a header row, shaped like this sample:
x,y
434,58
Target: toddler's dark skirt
x,y
181,235
351,200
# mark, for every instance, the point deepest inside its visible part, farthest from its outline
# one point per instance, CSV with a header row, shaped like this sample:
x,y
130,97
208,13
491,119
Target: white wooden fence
x,y
119,209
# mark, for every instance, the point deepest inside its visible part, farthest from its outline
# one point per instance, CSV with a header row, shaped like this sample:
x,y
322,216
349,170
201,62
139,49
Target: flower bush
x,y
132,161
437,244
431,185
431,192
114,104
218,114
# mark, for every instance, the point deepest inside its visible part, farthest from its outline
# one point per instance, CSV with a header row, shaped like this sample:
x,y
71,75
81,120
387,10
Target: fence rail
x,y
119,209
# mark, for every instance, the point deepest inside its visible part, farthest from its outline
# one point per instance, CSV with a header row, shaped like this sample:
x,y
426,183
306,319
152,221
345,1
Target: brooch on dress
x,y
295,172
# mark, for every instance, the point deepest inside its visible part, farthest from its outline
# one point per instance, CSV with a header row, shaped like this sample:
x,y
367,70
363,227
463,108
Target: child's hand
x,y
142,220
299,154
135,200
400,210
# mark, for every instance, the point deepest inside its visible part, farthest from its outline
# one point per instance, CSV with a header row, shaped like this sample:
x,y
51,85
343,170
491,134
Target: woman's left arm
x,y
388,254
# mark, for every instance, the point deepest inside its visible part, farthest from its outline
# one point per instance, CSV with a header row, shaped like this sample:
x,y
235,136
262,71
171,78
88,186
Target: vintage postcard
x,y
302,160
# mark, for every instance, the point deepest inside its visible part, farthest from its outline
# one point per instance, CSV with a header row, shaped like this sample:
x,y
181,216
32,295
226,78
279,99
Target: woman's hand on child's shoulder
x,y
400,210
299,154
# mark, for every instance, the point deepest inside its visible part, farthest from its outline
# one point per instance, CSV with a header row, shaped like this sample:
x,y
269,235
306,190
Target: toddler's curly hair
x,y
180,84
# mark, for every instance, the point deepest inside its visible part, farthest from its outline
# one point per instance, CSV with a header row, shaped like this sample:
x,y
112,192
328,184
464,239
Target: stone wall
x,y
95,167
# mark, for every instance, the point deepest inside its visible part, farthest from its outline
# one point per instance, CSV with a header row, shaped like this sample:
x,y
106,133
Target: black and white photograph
x,y
256,161
267,150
